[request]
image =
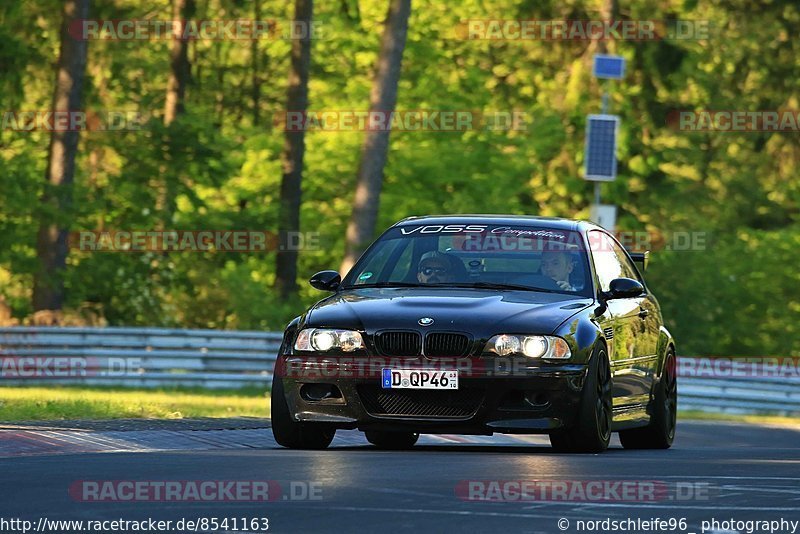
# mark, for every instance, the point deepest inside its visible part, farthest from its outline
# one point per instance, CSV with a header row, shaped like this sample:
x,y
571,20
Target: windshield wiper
x,y
386,284
493,285
468,285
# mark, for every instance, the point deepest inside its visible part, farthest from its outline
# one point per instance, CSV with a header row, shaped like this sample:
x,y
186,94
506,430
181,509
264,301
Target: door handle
x,y
643,313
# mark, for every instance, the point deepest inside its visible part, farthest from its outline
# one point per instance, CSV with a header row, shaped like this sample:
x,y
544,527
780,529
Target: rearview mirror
x,y
325,280
624,288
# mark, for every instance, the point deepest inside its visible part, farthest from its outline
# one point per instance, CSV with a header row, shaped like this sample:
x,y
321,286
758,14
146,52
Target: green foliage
x,y
740,296
218,166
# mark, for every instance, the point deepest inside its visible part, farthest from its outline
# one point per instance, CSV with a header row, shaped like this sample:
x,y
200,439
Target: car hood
x,y
481,312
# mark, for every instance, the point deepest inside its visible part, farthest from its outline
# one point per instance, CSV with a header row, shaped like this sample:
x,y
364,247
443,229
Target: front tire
x,y
291,434
592,430
660,433
395,441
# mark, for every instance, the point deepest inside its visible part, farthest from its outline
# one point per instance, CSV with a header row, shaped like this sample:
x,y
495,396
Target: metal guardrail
x,y
140,357
159,357
739,387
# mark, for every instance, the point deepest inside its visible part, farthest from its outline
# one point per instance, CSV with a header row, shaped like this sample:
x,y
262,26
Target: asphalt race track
x,y
715,470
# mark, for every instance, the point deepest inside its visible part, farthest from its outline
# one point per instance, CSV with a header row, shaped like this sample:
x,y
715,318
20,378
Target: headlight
x,y
325,339
545,347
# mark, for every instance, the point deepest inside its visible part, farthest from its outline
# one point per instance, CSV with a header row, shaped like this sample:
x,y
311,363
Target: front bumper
x,y
508,395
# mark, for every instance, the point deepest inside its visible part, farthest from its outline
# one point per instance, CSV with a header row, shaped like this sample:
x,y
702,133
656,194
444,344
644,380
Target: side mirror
x,y
326,280
624,288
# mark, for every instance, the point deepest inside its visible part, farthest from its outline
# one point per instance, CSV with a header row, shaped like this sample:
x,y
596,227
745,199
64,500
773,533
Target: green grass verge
x,y
68,402
76,402
739,418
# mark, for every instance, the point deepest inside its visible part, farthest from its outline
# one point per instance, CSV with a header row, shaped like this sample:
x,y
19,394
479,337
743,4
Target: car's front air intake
x,y
457,404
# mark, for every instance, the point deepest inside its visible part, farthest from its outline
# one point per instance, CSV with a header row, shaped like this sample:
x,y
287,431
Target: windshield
x,y
479,255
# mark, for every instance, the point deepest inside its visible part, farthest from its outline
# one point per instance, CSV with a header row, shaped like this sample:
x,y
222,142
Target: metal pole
x,y
603,110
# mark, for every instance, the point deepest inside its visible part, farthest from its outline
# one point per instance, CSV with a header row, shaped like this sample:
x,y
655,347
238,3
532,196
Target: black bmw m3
x,y
475,324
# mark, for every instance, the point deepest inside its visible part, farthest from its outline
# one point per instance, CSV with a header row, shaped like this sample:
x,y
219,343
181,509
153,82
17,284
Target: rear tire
x,y
395,441
291,434
660,433
592,430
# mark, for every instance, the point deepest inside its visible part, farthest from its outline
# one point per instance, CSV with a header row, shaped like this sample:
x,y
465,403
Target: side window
x,y
629,271
605,259
610,260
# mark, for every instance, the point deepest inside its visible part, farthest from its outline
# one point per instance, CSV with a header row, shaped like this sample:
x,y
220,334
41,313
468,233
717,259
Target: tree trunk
x,y
180,69
51,239
383,98
255,76
609,11
292,158
180,72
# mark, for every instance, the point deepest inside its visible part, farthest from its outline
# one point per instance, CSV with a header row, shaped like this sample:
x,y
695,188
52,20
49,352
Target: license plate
x,y
419,379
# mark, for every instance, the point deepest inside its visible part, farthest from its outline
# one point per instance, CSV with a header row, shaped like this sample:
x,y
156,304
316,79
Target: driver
x,y
435,268
557,264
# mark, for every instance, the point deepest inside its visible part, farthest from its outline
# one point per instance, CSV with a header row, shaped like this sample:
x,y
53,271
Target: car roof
x,y
555,223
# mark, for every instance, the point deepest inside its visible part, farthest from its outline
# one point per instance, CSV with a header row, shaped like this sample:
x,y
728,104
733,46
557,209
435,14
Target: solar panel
x,y
608,67
601,148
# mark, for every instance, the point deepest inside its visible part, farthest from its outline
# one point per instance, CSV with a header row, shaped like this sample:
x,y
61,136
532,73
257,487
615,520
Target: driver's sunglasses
x,y
427,271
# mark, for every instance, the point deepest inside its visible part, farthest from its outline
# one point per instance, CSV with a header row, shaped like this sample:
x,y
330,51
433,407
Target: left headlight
x,y
325,339
545,347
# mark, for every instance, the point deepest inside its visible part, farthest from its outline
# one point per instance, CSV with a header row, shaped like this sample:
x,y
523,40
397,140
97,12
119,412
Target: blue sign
x,y
601,148
608,67
387,378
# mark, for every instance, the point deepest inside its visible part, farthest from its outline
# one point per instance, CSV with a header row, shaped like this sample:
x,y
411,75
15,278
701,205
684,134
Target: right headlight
x,y
544,347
